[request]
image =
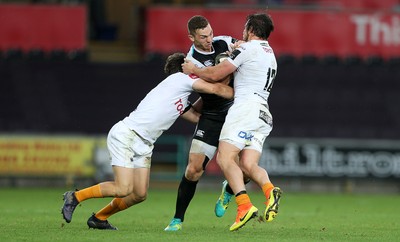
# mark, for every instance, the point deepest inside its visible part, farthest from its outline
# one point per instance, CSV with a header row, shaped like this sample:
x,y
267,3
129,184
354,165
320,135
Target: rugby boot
x,y
175,225
95,223
272,204
243,216
70,203
223,201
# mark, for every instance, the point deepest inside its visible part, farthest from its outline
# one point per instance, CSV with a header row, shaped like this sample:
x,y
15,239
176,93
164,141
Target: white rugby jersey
x,y
256,71
161,106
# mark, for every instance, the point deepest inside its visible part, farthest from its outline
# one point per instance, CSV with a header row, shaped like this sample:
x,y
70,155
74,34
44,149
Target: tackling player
x,y
249,121
130,142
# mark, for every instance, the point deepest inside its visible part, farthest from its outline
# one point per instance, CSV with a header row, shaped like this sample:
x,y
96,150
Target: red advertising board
x,y
45,27
341,33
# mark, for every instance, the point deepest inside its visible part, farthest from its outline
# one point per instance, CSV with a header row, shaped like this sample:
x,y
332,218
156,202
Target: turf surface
x,y
34,215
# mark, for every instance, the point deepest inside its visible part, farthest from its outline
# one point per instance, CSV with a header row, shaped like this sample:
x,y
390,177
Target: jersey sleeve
x,y
239,55
187,81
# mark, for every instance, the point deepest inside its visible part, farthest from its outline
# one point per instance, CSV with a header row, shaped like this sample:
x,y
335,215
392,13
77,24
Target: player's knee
x,y
246,168
195,168
123,191
135,197
193,172
140,196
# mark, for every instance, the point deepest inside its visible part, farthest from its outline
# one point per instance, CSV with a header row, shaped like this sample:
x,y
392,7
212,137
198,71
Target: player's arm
x,y
191,115
210,73
219,89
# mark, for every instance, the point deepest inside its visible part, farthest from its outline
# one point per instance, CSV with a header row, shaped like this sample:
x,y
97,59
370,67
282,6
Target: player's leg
x,y
139,194
121,143
249,161
226,159
272,193
236,134
122,186
187,189
225,198
198,160
249,165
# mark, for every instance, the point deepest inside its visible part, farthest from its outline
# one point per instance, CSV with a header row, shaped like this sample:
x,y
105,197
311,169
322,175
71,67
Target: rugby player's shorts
x,y
127,148
247,125
206,136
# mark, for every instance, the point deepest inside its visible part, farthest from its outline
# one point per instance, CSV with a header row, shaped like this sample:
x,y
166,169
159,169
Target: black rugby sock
x,y
186,192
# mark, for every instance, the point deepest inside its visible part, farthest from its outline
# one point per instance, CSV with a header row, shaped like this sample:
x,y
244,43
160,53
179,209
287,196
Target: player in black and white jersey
x,y
130,142
249,120
203,53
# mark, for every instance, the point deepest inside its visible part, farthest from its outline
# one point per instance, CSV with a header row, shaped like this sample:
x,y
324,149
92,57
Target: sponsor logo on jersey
x,y
200,133
208,63
265,117
234,54
267,49
179,106
258,141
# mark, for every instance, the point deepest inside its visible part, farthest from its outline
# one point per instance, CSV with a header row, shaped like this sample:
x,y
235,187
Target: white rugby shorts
x,y
247,125
127,148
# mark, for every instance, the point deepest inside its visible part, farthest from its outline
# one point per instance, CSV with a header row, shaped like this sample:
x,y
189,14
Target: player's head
x,y
200,33
174,63
258,24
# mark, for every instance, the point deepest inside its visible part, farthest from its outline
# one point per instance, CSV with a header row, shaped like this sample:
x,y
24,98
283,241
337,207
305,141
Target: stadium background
x,y
70,69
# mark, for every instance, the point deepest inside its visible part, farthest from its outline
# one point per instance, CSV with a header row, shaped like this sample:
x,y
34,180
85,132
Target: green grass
x,y
34,215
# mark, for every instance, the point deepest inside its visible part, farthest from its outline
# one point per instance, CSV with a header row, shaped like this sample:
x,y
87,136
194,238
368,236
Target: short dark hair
x,y
260,24
174,63
196,22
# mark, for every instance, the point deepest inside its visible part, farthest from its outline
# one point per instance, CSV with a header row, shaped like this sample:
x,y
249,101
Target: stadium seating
x,y
308,99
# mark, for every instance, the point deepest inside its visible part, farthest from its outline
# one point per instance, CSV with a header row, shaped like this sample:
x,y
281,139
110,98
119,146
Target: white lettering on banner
x,y
293,159
333,164
370,29
356,166
381,164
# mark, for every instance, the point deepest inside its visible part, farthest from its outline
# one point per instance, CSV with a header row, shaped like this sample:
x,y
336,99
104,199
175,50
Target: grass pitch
x,y
34,215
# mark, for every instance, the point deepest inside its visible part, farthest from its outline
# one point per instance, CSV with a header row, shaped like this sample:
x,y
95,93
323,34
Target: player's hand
x,y
237,44
188,66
